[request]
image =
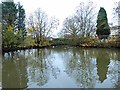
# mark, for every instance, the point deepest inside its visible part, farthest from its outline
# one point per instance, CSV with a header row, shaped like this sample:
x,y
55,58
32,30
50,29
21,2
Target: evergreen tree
x,y
13,15
21,19
103,29
9,14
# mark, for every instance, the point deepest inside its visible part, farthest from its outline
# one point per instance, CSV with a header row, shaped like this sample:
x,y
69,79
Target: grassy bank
x,y
28,43
81,42
87,42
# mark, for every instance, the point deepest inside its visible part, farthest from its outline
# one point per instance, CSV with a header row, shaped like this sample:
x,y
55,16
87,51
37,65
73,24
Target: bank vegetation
x,y
85,28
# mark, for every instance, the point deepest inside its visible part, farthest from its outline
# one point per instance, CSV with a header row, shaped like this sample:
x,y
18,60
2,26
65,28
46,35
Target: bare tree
x,y
40,26
82,23
30,24
70,27
116,12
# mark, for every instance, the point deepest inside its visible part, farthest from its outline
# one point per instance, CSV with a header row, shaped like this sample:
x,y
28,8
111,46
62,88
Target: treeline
x,y
19,31
87,28
84,28
85,22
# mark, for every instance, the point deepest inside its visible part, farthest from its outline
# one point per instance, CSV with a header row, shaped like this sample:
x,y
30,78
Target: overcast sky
x,y
64,8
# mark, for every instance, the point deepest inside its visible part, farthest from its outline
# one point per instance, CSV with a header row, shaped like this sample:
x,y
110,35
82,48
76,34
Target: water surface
x,y
61,68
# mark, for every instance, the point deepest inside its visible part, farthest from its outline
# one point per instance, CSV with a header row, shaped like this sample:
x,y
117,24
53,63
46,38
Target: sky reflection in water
x,y
61,68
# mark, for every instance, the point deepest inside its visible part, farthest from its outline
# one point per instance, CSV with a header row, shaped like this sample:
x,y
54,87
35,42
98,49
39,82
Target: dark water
x,y
61,68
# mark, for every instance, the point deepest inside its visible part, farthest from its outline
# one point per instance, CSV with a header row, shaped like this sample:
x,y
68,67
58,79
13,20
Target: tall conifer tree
x,y
103,29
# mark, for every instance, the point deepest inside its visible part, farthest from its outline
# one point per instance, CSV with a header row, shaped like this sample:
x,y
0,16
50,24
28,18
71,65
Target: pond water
x,y
61,68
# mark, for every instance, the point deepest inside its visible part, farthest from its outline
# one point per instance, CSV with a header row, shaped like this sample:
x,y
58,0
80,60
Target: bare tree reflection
x,y
114,73
80,67
40,66
35,67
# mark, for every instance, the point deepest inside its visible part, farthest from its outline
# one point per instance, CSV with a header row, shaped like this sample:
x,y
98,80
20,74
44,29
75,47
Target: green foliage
x,y
118,39
61,41
86,42
9,38
103,29
13,24
20,20
9,14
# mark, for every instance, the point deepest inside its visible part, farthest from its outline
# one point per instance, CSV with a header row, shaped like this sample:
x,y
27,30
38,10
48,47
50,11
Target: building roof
x,y
115,27
115,30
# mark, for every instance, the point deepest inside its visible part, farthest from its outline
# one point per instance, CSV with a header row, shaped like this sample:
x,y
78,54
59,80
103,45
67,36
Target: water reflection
x,y
14,73
103,60
114,74
83,68
80,66
0,70
40,67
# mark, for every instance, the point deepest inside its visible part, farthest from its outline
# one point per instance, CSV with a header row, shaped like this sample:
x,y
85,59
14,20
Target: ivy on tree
x,y
103,29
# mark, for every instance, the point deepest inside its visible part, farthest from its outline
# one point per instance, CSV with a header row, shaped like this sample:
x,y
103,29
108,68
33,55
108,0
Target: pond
x,y
61,67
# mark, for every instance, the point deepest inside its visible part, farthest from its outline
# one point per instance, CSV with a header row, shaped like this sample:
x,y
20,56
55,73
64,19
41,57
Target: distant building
x,y
115,31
